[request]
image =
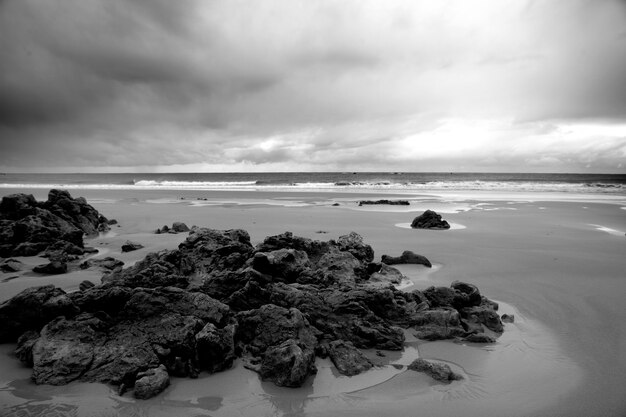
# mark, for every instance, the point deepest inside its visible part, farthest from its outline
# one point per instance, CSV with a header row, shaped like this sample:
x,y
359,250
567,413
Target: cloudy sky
x,y
203,85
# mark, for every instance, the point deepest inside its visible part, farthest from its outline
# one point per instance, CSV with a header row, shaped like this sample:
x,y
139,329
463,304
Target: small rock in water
x,y
53,268
151,382
508,318
131,246
407,257
438,371
430,220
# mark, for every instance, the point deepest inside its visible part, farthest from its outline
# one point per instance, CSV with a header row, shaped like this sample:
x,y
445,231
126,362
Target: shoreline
x,y
535,258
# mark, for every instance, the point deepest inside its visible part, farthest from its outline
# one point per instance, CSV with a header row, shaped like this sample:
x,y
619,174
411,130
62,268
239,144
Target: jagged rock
x,y
31,309
52,268
216,347
11,265
429,220
485,315
507,318
155,270
438,371
353,243
208,250
480,338
288,364
347,358
438,324
131,246
25,343
283,264
151,382
314,249
339,268
407,257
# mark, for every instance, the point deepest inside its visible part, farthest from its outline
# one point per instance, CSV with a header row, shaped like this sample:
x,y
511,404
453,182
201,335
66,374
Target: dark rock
x,y
11,265
471,291
131,246
151,382
314,249
25,343
407,257
85,285
386,202
111,222
155,270
485,315
283,264
52,268
17,206
338,268
429,220
216,347
31,309
107,264
438,324
353,243
480,338
288,364
384,273
507,318
348,359
180,227
438,371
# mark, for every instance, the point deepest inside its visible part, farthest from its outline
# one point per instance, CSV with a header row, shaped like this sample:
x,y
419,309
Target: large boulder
x,y
31,309
438,324
216,347
429,220
353,243
288,364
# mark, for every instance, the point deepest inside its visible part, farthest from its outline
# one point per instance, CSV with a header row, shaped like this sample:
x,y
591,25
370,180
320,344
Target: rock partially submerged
x,y
177,227
438,371
384,202
430,220
407,257
217,297
131,246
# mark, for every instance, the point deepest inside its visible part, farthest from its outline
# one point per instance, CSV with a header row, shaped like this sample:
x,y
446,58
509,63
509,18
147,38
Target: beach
x,y
554,260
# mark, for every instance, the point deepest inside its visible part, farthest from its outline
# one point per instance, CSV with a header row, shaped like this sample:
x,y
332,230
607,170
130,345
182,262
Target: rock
x,y
155,270
353,243
25,343
387,202
283,264
151,382
473,297
429,220
384,273
85,285
11,265
215,347
288,364
17,206
407,257
485,315
338,268
438,371
31,309
107,264
180,227
507,318
314,249
52,268
480,338
348,359
111,222
131,246
438,324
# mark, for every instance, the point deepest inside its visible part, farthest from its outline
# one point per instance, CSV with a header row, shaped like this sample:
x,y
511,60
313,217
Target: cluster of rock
x,y
54,228
384,202
217,298
177,227
429,220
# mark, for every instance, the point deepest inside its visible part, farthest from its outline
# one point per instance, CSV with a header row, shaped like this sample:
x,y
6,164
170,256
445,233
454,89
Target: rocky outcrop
x,y
438,371
407,257
430,220
28,227
177,227
217,297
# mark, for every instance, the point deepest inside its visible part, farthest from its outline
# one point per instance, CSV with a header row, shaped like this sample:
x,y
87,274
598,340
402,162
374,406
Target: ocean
x,y
327,181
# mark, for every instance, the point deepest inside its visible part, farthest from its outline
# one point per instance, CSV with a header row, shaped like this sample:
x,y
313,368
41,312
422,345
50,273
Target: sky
x,y
312,85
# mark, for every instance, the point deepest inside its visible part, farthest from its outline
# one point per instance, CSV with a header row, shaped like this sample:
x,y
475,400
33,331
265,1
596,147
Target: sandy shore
x,y
556,262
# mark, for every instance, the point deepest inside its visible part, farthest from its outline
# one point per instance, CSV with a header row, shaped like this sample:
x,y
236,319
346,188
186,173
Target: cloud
x,y
317,84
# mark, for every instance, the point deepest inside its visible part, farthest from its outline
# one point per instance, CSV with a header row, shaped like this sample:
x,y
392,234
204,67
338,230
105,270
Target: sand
x,y
557,262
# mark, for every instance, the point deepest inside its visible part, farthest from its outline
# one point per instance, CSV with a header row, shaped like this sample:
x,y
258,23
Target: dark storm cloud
x,y
169,83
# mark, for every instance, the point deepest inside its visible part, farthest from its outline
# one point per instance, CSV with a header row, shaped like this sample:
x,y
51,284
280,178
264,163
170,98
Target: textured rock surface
x,y
438,371
151,382
348,359
407,257
429,220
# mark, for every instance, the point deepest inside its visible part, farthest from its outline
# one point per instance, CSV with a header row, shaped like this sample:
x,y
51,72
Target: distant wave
x,y
423,186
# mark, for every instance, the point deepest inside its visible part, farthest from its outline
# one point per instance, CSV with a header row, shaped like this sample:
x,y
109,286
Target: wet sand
x,y
556,262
